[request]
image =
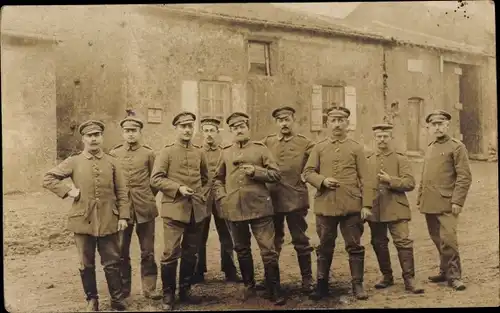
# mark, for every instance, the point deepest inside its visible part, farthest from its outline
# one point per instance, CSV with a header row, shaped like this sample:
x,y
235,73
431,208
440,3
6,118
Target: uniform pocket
x,y
446,193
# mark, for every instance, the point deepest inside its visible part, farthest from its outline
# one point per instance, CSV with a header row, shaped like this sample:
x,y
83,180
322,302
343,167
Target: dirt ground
x,y
41,264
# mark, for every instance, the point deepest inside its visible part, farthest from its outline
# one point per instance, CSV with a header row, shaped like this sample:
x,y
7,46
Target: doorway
x,y
413,131
470,104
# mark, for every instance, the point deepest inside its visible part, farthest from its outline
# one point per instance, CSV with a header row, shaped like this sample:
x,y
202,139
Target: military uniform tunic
x,y
245,200
213,153
103,195
181,164
344,160
446,179
290,196
137,161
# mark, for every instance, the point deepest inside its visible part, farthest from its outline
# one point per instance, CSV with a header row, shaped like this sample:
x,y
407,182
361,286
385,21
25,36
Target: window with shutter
x,y
331,96
214,99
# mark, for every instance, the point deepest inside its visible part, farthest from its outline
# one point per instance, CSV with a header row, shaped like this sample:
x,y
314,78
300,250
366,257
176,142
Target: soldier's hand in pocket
x,y
122,224
74,193
186,191
365,213
456,209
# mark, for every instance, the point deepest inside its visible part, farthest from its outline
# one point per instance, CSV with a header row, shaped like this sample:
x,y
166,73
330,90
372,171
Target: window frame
x,y
225,98
325,105
267,56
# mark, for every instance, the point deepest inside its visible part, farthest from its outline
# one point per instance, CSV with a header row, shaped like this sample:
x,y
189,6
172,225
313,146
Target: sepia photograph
x,y
249,156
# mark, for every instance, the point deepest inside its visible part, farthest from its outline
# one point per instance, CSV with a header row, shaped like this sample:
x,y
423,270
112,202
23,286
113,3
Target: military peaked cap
x,y
184,118
131,121
438,115
237,117
382,127
283,111
338,111
210,121
90,127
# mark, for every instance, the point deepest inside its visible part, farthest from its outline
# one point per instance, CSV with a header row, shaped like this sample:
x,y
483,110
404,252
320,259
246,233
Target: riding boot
x,y
169,281
185,277
277,295
114,280
126,276
248,276
384,263
323,273
306,273
407,263
357,266
90,288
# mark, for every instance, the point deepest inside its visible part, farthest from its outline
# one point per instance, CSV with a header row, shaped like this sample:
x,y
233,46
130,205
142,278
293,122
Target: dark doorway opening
x,y
470,100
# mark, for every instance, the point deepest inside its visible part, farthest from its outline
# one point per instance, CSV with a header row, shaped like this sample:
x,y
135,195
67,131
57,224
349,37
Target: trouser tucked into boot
x,y
357,266
273,283
113,278
185,276
90,288
324,262
407,262
306,272
248,275
169,281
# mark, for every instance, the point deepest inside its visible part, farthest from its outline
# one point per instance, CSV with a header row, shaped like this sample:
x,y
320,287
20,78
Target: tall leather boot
x,y
149,275
228,267
248,276
126,276
323,272
408,268
306,273
185,277
384,263
274,280
357,265
201,266
114,280
90,288
169,281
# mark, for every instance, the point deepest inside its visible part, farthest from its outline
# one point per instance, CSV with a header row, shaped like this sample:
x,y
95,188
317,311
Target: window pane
x,y
256,52
218,107
204,90
205,107
258,68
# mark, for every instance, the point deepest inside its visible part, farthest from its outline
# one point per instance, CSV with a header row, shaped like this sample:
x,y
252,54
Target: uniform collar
x,y
281,137
443,139
212,147
133,147
89,155
184,144
333,140
386,153
242,145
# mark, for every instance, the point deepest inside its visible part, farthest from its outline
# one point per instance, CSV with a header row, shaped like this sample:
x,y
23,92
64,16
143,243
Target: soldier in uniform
x,y
241,176
210,129
290,196
100,210
446,179
338,168
137,161
391,209
180,172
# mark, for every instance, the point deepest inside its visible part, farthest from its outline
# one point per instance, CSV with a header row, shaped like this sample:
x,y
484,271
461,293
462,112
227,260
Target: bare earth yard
x,y
41,264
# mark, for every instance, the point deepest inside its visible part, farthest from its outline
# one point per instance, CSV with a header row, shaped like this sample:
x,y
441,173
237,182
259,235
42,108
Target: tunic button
x,y
96,199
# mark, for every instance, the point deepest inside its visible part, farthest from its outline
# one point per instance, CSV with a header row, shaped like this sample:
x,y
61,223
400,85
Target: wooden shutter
x,y
189,98
350,103
238,99
316,109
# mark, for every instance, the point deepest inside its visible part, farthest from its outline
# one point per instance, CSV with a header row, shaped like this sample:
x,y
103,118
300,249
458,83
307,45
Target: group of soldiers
x,y
252,188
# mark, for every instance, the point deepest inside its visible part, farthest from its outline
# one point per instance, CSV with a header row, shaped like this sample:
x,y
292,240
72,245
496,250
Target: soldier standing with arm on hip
x,y
180,172
391,209
210,129
99,212
290,195
446,179
337,167
241,176
137,161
